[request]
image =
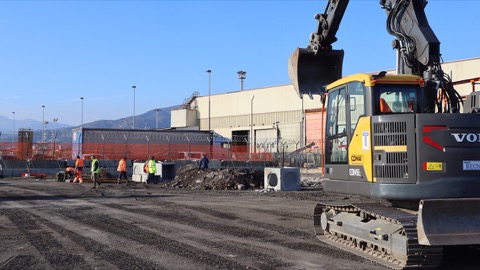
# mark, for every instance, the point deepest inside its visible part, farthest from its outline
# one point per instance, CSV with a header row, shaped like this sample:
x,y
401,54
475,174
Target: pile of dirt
x,y
189,176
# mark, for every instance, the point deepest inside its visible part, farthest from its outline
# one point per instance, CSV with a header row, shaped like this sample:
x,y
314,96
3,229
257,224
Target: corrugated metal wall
x,y
269,105
463,70
314,131
183,118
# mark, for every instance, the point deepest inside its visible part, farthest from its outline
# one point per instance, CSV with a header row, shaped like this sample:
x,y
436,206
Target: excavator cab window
x,y
346,104
336,128
356,94
397,99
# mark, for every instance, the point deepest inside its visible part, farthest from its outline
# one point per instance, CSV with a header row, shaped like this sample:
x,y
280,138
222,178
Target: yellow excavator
x,y
399,140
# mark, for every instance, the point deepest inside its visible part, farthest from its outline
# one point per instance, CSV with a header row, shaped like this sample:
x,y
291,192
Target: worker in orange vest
x,y
70,172
122,170
79,165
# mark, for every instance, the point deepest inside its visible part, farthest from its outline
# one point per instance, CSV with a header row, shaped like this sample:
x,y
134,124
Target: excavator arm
x,y
328,24
311,68
418,52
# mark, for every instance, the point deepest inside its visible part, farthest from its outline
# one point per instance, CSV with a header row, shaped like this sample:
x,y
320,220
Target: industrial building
x,y
275,119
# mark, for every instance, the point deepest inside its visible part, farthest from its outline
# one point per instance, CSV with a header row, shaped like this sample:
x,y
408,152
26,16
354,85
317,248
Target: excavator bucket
x,y
310,72
444,222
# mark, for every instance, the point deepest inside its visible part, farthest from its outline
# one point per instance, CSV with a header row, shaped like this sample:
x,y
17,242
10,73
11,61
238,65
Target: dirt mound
x,y
189,176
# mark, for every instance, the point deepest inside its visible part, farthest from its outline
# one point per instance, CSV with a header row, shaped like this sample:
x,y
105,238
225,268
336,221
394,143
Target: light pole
x,y
156,117
126,145
242,75
13,137
43,123
134,87
275,126
81,114
252,145
54,136
209,86
43,129
302,125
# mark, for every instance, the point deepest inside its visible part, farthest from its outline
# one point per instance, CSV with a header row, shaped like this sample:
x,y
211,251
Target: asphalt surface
x,y
54,225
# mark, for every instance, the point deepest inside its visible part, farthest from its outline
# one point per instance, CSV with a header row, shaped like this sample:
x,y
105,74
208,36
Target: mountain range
x,y
63,132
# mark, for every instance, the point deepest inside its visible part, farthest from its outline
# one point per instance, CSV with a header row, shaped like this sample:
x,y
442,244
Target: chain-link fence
x,y
35,151
265,151
109,144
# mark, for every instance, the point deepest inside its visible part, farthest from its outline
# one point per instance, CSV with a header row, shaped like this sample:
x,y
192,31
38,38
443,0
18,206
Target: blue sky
x,y
54,52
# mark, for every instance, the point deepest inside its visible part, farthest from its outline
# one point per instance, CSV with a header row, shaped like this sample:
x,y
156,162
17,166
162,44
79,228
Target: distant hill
x,y
142,121
64,132
7,124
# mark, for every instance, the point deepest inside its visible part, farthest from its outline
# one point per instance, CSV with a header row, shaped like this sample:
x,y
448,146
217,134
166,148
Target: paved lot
x,y
52,225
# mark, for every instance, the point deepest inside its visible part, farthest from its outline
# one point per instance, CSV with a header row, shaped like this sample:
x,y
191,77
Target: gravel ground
x,y
55,225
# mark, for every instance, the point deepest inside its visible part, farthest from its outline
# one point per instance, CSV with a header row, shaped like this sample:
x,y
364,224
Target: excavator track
x,y
382,234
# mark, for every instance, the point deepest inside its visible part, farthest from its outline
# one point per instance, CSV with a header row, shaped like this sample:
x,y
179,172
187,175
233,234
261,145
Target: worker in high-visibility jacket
x,y
95,170
152,169
79,165
122,170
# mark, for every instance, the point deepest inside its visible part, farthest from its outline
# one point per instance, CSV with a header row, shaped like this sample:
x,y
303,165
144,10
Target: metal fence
x,y
35,151
281,151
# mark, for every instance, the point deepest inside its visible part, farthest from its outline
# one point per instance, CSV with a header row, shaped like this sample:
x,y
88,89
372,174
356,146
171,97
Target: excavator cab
x,y
380,143
354,104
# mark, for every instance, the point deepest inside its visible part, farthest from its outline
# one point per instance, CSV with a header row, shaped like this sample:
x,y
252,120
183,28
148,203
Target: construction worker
x,y
122,170
95,170
70,172
79,165
152,169
203,163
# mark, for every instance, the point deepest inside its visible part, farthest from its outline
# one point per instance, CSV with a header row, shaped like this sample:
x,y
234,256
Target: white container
x,y
139,178
282,179
165,172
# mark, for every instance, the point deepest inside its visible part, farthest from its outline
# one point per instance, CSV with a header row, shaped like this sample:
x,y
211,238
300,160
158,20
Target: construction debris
x,y
189,176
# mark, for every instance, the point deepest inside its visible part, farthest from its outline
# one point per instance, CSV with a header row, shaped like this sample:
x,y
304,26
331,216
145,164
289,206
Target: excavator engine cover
x,y
310,72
